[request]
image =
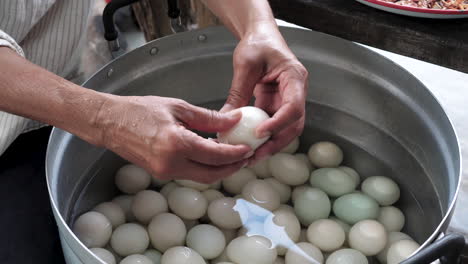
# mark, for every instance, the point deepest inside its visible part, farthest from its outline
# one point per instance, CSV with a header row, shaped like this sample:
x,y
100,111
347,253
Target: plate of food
x,y
443,9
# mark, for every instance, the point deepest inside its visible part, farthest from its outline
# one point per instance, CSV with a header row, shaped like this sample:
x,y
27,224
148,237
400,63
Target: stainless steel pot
x,y
386,121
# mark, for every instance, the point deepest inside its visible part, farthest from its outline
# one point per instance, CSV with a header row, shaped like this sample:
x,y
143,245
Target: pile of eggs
x,y
292,208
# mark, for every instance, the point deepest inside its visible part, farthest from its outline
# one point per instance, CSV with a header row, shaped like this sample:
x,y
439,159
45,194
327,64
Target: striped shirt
x,y
49,33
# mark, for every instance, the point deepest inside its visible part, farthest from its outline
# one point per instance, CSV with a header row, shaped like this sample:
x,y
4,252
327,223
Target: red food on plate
x,y
433,4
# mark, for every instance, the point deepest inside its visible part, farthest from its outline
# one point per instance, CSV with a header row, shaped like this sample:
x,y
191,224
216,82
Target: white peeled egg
x,y
326,234
283,229
244,132
146,204
383,189
391,218
285,207
129,239
211,195
234,183
291,147
112,211
223,258
207,240
193,184
166,230
93,229
222,213
136,259
154,255
168,188
304,253
401,250
181,255
261,193
392,237
262,169
347,256
288,169
325,154
283,190
253,249
312,204
351,172
304,158
131,179
125,202
368,236
332,181
297,190
103,254
187,203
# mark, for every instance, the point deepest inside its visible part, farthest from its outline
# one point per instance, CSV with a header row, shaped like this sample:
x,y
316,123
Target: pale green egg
x,y
383,189
351,172
312,204
355,207
347,256
335,182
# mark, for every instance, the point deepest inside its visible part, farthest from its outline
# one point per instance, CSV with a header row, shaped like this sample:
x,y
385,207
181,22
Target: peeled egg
x,y
93,229
168,188
326,234
125,202
129,239
391,218
325,154
104,255
154,255
355,207
291,147
221,212
223,258
283,223
261,169
136,259
368,236
347,256
288,169
332,181
131,179
181,255
253,249
211,195
383,189
207,240
312,204
297,190
193,184
187,203
304,253
244,132
112,211
392,237
234,183
166,230
146,204
304,158
283,190
401,250
285,207
352,173
261,193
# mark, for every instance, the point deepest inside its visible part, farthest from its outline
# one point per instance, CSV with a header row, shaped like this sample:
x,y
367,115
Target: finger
x,y
210,174
278,141
206,120
211,153
246,75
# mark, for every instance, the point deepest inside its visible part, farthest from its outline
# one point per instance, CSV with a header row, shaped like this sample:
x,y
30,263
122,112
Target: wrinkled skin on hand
x,y
155,133
265,67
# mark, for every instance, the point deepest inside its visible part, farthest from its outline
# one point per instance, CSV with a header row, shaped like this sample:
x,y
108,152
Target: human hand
x,y
153,132
265,67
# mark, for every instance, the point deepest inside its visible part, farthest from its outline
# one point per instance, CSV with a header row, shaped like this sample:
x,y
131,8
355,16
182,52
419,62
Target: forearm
x,y
30,91
242,16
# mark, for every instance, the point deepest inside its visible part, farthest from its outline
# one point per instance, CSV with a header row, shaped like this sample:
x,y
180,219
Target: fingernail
x,y
249,154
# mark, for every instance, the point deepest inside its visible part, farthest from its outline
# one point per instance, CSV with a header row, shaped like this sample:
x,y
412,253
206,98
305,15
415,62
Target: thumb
x,y
206,120
246,76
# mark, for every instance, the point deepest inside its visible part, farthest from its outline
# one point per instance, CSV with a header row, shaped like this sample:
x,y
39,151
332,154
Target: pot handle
x,y
446,249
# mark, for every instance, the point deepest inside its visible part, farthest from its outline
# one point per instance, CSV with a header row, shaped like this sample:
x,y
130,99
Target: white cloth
x,y
49,33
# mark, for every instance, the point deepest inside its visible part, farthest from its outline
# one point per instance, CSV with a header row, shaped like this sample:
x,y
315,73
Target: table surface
x,y
443,42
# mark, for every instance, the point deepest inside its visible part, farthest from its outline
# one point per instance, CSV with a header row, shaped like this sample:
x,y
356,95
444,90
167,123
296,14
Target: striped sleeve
x,y
7,41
